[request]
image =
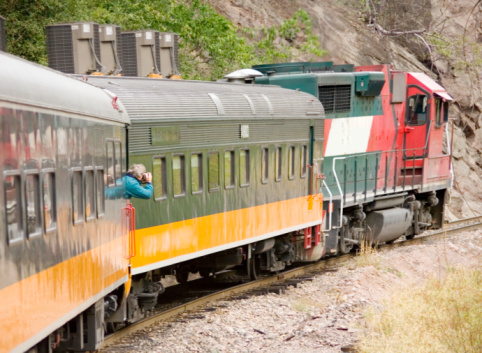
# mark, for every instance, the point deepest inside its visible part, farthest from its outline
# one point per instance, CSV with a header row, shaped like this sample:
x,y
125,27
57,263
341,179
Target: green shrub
x,y
210,45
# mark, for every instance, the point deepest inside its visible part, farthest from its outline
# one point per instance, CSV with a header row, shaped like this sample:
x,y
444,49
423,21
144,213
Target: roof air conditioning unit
x,y
3,35
168,53
73,48
139,50
110,52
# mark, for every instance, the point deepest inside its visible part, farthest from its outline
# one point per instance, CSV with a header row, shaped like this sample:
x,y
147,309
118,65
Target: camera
x,y
145,177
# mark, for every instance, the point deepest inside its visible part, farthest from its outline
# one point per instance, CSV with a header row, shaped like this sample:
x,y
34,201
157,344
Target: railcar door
x,y
417,123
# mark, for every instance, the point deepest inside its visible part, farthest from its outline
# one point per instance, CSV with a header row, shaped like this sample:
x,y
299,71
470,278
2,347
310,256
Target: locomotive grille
x,y
60,48
335,99
3,40
129,54
97,45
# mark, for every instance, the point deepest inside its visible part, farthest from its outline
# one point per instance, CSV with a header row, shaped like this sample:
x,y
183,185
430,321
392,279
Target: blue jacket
x,y
128,187
135,189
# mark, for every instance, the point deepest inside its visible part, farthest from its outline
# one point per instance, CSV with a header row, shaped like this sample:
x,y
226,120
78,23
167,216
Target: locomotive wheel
x,y
253,266
204,273
344,246
182,275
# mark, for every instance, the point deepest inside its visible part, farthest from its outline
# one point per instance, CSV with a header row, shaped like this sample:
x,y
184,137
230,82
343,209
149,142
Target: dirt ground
x,y
323,315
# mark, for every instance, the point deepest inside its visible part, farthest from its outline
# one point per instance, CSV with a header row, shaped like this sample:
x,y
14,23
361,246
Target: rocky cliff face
x,y
454,59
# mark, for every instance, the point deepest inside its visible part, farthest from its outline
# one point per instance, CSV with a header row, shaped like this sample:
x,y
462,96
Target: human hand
x,y
148,177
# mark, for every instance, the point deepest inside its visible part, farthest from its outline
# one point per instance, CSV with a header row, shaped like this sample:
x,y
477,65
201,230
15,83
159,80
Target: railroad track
x,y
278,282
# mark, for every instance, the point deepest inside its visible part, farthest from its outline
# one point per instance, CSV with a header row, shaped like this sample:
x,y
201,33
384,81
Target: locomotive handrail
x,y
339,189
330,207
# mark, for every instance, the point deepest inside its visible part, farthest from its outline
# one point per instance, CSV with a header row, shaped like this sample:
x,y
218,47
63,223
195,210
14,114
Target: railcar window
x,y
100,195
304,160
291,163
159,178
49,205
178,176
77,209
213,172
13,208
265,165
110,163
89,195
197,173
417,109
244,168
278,159
118,162
229,169
32,198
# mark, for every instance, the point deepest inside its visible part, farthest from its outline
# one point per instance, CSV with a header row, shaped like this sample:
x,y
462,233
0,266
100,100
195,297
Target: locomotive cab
x,y
383,159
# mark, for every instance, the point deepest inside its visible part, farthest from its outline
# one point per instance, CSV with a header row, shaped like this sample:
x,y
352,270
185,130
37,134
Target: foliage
x,y
445,315
210,45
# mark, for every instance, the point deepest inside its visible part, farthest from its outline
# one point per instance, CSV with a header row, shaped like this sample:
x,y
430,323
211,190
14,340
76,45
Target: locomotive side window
x,y
244,168
197,173
89,195
178,176
13,208
417,109
291,163
278,159
32,202
264,165
49,206
213,172
159,178
304,160
99,190
77,209
229,169
109,146
118,167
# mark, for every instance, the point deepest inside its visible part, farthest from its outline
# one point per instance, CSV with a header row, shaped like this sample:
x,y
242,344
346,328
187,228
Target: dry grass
x,y
445,315
368,255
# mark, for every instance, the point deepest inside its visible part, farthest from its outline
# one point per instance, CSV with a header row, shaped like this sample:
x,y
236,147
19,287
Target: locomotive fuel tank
x,y
388,225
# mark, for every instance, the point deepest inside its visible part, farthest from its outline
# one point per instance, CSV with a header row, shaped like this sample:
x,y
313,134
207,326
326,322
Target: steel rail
x,y
318,267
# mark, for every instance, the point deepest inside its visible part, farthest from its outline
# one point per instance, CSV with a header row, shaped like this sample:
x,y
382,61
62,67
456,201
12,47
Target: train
x,y
287,164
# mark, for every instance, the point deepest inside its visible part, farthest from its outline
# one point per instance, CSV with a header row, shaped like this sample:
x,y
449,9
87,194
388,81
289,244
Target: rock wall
x,y
343,31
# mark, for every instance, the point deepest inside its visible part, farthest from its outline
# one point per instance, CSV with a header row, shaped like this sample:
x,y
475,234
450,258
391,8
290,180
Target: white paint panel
x,y
349,136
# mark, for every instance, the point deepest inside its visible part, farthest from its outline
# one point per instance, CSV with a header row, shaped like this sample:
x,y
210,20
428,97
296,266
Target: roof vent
x,y
243,75
110,49
73,48
3,35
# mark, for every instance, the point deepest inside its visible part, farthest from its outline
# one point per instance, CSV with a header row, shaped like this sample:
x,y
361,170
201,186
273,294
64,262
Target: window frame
x,y
22,233
248,163
200,173
278,164
117,178
408,116
232,166
218,187
292,165
107,142
183,175
80,219
54,199
93,214
98,212
264,164
304,160
26,174
163,158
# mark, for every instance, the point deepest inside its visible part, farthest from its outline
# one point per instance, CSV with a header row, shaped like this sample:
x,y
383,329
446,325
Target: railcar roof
x,y
28,83
163,99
